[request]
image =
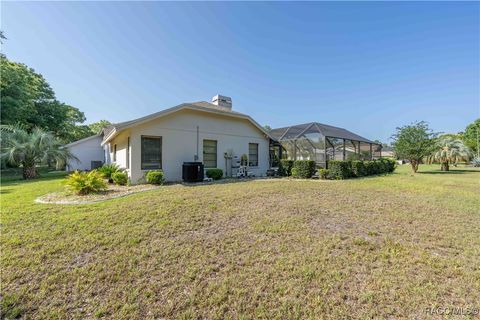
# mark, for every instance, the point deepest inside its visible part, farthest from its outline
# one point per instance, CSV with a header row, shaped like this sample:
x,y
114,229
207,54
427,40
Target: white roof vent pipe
x,y
222,101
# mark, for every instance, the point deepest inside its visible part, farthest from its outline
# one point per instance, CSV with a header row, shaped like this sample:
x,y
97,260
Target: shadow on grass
x,y
13,180
451,171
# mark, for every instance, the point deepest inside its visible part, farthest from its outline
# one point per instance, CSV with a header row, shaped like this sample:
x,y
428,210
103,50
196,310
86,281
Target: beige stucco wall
x,y
86,152
121,141
179,142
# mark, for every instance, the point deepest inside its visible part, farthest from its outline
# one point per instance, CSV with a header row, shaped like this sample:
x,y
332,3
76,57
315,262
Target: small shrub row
x,y
303,169
83,183
214,173
155,177
358,168
323,173
285,167
350,169
339,169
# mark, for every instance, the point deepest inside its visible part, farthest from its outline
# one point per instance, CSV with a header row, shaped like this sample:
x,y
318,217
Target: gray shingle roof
x,y
199,105
295,132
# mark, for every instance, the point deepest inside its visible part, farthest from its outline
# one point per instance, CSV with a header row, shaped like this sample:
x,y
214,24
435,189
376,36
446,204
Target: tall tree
x,y
414,142
82,131
471,136
28,99
98,126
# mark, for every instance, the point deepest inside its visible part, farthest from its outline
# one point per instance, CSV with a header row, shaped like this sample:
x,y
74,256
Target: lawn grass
x,y
377,247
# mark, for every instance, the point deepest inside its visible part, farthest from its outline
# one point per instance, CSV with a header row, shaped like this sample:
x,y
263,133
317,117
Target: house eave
x,y
71,144
188,106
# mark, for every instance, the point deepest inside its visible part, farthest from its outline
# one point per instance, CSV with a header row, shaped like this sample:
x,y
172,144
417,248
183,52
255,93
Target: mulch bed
x,y
113,191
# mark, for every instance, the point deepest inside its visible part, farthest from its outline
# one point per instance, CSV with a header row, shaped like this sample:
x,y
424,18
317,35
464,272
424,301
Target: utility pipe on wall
x,y
198,142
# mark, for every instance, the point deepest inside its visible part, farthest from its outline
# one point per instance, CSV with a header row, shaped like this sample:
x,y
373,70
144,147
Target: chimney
x,y
222,101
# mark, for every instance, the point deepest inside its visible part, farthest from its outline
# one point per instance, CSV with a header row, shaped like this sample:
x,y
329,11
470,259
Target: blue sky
x,y
368,67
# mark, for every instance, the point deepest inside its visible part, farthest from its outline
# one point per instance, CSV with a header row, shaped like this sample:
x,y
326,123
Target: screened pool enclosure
x,y
321,143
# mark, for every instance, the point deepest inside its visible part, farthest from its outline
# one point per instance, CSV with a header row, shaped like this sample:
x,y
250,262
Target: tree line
x,y
418,144
29,101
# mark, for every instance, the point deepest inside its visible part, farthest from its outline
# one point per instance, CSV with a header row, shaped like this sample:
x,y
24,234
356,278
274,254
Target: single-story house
x,y
211,133
217,136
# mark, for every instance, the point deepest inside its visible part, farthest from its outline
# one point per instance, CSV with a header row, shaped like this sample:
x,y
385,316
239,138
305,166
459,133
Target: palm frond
x,y
450,150
19,146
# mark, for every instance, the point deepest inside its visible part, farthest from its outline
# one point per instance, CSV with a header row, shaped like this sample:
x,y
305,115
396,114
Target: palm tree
x,y
29,148
450,150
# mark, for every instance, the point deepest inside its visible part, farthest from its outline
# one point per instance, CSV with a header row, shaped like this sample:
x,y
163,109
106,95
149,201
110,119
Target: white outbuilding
x,y
88,151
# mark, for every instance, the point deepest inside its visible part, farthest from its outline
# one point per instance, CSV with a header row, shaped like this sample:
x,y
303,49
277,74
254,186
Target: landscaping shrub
x,y
340,169
154,177
347,169
120,178
382,166
303,169
285,168
323,173
215,174
358,168
83,183
108,169
371,167
389,165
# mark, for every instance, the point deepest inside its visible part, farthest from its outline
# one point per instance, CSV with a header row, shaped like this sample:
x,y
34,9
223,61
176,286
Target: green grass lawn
x,y
378,247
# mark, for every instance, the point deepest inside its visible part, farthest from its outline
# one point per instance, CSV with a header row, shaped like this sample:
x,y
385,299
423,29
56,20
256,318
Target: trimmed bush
x,y
340,169
303,169
348,169
84,183
285,168
108,169
120,178
154,177
215,174
372,167
358,168
323,173
389,165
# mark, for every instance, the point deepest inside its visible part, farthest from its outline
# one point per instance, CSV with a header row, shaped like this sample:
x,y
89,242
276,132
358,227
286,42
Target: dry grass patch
x,y
381,247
